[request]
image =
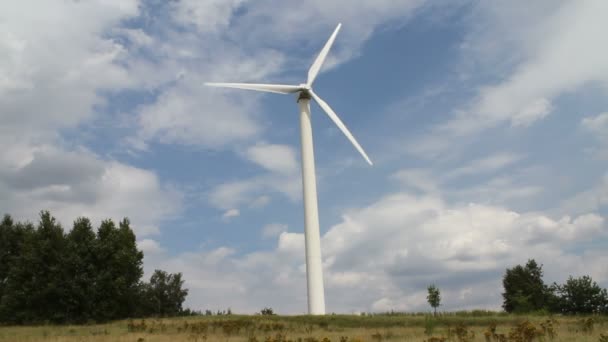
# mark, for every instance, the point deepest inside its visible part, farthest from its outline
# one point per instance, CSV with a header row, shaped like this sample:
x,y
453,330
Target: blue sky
x,y
487,123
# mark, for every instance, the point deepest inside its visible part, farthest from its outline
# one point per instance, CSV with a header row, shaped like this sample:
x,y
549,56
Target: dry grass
x,y
333,328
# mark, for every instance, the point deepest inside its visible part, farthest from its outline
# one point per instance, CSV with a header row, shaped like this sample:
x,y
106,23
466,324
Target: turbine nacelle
x,y
304,93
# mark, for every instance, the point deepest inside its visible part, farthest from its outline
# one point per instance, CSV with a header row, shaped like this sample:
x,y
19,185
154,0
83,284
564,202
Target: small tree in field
x,y
267,312
434,297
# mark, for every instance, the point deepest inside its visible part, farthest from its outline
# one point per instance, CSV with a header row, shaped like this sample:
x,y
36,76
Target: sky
x,y
487,123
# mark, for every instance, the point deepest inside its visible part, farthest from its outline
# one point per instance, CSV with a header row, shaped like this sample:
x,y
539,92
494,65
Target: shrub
x,y
267,312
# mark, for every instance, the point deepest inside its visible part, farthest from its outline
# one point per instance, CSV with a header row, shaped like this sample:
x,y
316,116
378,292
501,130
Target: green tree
x,y
36,285
8,250
17,240
49,276
165,293
81,268
581,296
434,297
50,298
524,288
119,269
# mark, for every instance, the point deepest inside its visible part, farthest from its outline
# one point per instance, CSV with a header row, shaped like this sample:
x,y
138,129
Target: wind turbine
x,y
314,268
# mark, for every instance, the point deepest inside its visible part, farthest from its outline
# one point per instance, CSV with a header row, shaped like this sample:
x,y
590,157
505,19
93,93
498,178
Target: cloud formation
x,y
383,256
56,63
517,47
282,176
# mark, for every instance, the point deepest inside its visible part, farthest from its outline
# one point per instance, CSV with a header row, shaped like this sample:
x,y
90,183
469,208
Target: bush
x,y
267,312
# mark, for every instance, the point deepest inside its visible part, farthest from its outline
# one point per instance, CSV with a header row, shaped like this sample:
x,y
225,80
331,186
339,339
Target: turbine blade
x,y
334,117
316,66
270,88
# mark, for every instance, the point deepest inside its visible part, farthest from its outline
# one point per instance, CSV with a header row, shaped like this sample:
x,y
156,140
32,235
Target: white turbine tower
x,y
314,269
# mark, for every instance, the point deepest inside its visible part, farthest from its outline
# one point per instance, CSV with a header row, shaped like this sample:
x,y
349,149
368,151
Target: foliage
x,y
524,288
165,294
461,332
429,325
36,278
549,328
119,270
338,328
525,292
434,297
525,331
587,325
47,275
267,312
581,295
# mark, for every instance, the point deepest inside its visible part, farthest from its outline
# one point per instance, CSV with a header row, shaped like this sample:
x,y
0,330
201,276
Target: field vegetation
x,y
458,326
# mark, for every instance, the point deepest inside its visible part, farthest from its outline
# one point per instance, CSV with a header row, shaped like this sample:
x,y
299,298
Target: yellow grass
x,y
333,328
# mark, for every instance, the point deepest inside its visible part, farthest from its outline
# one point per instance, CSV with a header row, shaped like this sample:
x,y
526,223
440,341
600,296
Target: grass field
x,y
463,326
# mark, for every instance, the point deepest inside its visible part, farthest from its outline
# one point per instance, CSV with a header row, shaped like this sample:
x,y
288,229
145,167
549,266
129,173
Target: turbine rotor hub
x,y
304,94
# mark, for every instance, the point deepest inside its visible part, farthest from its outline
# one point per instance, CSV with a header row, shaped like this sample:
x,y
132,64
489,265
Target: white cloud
x,y
229,195
233,194
189,113
260,202
78,183
484,165
274,158
282,176
535,111
562,43
518,47
149,246
291,243
383,256
55,64
501,187
597,126
497,190
592,199
419,179
51,72
273,230
228,214
209,16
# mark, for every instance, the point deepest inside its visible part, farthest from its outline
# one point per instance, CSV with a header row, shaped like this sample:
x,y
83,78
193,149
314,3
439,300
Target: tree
x,y
16,243
524,288
50,297
166,294
8,249
11,240
581,296
49,276
434,297
119,269
36,285
267,312
80,266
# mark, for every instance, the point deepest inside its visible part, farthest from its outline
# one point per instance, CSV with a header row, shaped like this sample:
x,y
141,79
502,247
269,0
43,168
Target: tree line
x,y
525,291
84,275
